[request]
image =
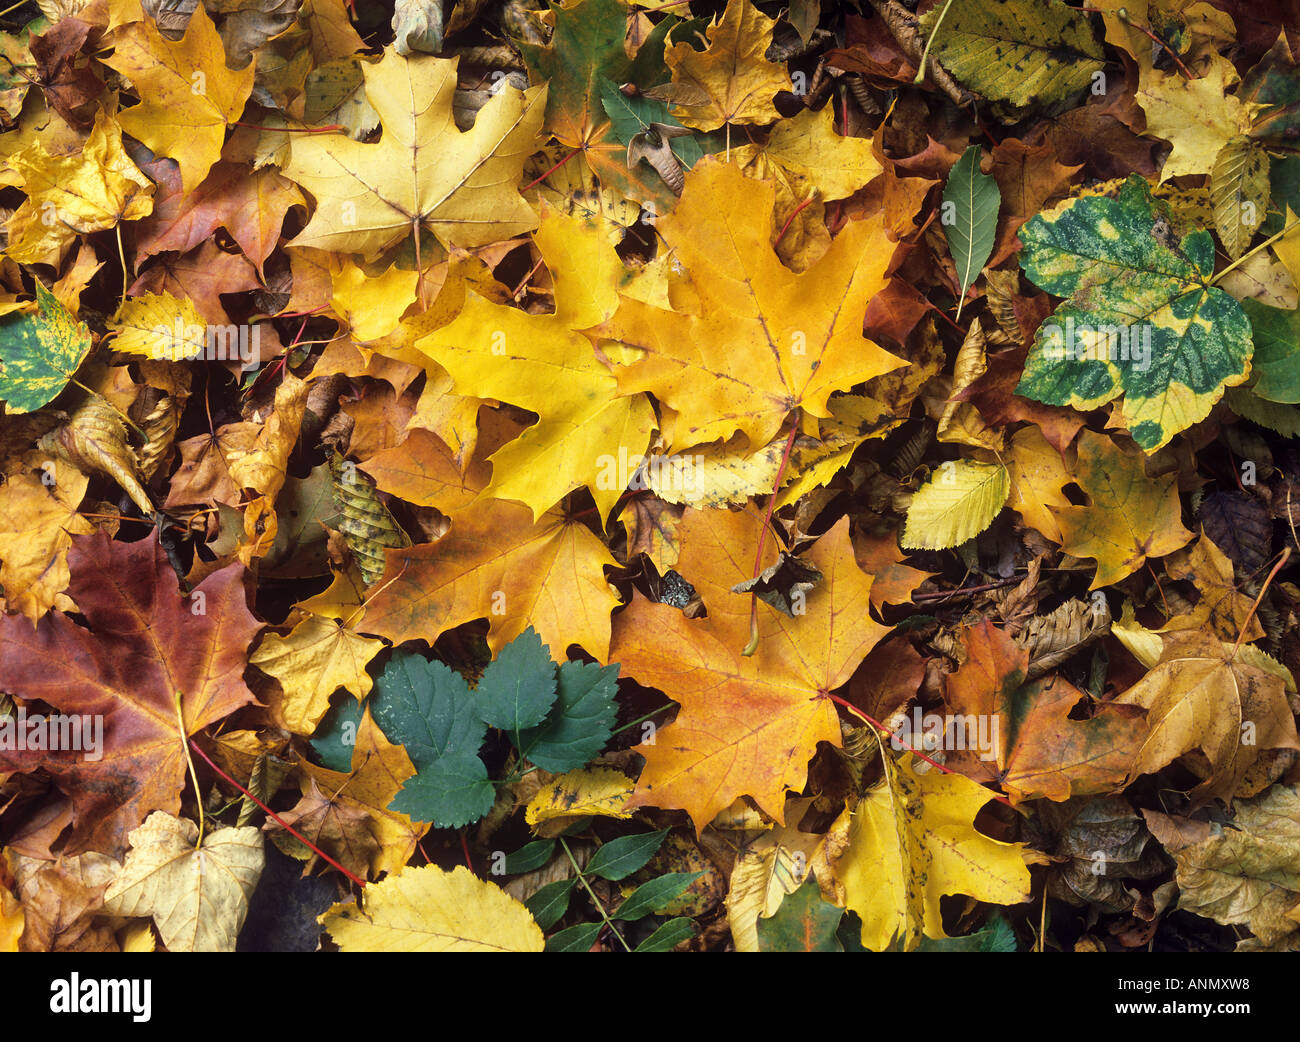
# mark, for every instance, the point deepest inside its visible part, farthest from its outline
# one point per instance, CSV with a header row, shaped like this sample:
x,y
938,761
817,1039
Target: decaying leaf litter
x,y
636,476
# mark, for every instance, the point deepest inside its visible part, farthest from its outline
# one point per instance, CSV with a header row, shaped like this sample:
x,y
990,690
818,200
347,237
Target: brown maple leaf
x,y
144,642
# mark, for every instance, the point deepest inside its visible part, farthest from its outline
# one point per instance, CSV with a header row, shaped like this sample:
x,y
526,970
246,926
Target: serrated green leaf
x,y
960,500
804,922
518,686
578,938
997,937
1276,364
970,203
428,708
551,901
336,735
39,353
652,897
1284,419
450,792
668,936
1025,52
620,857
1239,193
1142,319
529,857
580,722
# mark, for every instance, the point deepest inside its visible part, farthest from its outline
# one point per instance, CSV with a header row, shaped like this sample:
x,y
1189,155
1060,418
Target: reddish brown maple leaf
x,y
145,641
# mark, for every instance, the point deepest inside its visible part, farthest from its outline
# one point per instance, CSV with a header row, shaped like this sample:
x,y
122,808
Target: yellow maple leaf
x,y
423,173
87,191
1130,517
1198,117
911,841
317,658
748,340
542,363
187,94
731,81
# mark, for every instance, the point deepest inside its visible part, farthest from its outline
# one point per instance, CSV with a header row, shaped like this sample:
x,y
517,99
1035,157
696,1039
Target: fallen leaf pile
x,y
633,476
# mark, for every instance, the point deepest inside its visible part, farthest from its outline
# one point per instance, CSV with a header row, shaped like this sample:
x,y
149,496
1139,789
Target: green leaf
x,y
428,708
336,735
1025,52
1142,319
518,686
970,217
1281,418
668,936
1276,364
450,792
580,722
578,938
529,857
996,937
651,898
630,116
39,353
803,923
960,500
551,901
621,857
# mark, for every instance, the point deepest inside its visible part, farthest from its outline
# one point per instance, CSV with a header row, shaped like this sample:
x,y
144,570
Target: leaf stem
x,y
920,71
1251,252
194,774
592,894
279,820
1286,553
121,256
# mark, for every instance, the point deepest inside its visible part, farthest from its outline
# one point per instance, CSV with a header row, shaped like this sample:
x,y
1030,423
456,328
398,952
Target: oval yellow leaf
x,y
429,910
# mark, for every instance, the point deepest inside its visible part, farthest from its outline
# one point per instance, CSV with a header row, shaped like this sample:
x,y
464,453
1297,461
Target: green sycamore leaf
x,y
39,353
581,721
1024,52
970,218
1141,319
428,708
518,686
